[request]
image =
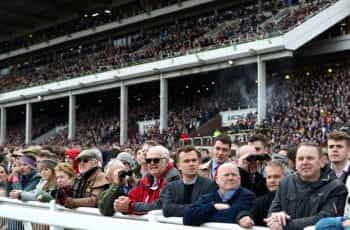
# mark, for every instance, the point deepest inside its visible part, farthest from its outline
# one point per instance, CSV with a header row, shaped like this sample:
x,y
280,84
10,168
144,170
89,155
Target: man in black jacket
x,y
274,171
178,195
307,196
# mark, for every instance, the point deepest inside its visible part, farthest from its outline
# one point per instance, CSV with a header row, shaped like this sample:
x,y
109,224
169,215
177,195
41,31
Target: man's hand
x,y
246,222
15,194
242,161
220,206
122,204
277,220
346,224
69,203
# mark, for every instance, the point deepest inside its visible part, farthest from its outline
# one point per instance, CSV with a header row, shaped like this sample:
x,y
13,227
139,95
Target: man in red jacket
x,y
145,196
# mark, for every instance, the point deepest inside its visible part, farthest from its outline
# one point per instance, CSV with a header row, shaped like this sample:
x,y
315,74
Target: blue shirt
x,y
227,196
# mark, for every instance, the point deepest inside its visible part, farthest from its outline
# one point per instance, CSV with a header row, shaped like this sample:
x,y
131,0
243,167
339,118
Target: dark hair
x,y
225,140
291,152
313,145
259,137
5,168
339,136
186,149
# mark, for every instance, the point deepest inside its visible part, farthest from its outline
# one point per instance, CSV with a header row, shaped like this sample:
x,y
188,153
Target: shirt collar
x,y
343,171
227,196
192,182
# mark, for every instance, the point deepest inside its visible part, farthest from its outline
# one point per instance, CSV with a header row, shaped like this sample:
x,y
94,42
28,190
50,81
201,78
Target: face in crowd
x,y
188,163
46,173
221,152
228,177
63,179
308,163
3,174
156,160
112,172
85,164
338,151
259,147
25,169
274,174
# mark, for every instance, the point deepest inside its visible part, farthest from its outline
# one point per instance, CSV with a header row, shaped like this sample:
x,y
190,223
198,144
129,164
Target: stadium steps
x,y
208,128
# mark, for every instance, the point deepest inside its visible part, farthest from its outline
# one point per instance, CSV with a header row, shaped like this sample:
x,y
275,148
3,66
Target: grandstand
x,y
193,42
113,74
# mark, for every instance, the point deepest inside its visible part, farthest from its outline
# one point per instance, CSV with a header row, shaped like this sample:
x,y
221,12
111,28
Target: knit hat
x,y
72,153
124,156
47,164
29,160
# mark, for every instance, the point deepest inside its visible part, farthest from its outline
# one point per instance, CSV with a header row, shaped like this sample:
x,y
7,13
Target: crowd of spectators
x,y
230,24
88,20
306,107
314,104
248,185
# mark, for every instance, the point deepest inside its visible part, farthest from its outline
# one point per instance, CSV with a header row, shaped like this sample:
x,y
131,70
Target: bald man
x,y
224,204
250,177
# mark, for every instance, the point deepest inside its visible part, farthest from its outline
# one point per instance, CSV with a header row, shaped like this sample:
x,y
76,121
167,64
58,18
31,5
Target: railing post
x,y
26,225
53,209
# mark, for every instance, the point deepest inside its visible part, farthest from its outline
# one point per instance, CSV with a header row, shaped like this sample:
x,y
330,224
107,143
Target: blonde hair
x,y
66,168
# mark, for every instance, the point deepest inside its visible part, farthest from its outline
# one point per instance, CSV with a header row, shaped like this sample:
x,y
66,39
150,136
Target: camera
x,y
258,157
123,174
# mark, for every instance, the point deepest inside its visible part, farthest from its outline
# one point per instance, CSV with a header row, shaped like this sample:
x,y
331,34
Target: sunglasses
x,y
154,160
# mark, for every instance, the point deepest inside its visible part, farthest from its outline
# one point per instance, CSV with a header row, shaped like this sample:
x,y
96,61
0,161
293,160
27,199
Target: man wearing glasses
x,y
91,181
145,196
220,154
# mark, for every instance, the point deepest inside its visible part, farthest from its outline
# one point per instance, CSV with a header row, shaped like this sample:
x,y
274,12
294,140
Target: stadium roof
x,y
20,17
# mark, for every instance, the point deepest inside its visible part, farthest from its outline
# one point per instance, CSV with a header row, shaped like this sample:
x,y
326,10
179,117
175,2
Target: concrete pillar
x,y
72,118
261,90
163,104
123,113
3,126
28,136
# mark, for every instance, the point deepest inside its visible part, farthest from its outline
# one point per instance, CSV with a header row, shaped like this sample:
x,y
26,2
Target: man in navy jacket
x,y
224,204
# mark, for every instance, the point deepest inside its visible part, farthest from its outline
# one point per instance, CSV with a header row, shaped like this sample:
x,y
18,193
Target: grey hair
x,y
161,149
113,162
277,163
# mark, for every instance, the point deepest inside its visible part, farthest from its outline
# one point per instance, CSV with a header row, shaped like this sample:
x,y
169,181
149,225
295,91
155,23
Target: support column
x,y
163,104
261,90
123,113
3,126
28,137
72,118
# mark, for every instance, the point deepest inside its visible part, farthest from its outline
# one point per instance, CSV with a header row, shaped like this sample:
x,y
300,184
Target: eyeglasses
x,y
154,160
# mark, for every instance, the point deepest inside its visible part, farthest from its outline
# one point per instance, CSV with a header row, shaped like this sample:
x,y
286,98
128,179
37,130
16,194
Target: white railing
x,y
58,218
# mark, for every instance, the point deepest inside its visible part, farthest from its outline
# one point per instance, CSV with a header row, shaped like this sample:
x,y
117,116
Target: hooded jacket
x,y
307,202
